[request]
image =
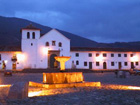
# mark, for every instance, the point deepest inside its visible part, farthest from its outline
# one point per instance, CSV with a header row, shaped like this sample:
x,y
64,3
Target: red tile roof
x,y
10,48
30,26
104,49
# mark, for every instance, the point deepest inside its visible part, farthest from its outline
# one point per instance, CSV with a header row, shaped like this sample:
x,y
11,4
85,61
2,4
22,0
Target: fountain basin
x,y
65,85
62,60
65,77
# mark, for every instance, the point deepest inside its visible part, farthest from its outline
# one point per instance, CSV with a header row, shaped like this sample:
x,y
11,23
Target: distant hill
x,y
129,45
10,35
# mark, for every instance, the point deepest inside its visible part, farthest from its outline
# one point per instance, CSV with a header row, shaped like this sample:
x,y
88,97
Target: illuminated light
x,y
6,61
44,78
46,92
35,90
32,94
99,58
122,87
133,87
45,50
134,58
5,85
62,61
20,57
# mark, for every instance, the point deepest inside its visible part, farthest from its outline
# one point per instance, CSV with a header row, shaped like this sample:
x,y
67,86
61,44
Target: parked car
x,y
134,71
8,73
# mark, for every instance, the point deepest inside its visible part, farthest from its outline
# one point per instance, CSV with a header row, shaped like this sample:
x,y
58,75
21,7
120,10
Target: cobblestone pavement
x,y
110,78
79,96
21,77
85,96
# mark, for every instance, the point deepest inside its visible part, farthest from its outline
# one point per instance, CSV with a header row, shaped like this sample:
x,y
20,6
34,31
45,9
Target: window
x,y
104,54
53,43
0,57
85,63
97,54
90,54
112,55
131,55
112,63
137,63
119,55
97,64
28,35
125,55
77,54
60,44
47,43
31,44
125,63
77,62
33,35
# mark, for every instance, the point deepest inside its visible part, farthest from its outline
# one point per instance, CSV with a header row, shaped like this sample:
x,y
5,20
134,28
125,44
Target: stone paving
x,y
21,77
79,96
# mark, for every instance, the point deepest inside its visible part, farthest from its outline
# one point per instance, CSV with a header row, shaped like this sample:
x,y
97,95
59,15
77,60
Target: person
x,y
120,67
120,73
116,73
55,64
73,65
133,67
124,74
4,65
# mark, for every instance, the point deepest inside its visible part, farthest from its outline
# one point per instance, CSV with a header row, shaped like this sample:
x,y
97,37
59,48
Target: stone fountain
x,y
63,79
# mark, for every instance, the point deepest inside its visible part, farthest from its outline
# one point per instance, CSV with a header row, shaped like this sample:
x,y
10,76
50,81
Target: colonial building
x,y
38,51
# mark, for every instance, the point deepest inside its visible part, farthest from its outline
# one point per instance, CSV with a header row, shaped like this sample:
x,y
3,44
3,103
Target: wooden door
x,y
14,66
52,60
104,65
120,65
90,65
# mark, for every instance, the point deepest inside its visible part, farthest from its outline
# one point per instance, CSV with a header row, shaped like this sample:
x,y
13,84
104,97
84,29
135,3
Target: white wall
x,y
83,56
7,56
56,36
29,47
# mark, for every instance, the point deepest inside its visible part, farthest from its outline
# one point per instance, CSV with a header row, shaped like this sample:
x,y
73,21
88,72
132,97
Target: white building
x,y
38,51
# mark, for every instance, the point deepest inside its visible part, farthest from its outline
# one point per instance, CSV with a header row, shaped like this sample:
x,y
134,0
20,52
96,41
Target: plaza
x,y
83,95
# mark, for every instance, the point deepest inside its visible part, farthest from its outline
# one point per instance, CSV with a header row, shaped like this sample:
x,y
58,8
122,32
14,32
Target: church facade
x,y
38,52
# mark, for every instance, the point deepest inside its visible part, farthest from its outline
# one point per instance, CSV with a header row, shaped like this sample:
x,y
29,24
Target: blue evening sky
x,y
99,20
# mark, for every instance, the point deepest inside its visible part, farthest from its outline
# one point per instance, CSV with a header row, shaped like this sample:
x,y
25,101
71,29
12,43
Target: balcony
x,y
14,59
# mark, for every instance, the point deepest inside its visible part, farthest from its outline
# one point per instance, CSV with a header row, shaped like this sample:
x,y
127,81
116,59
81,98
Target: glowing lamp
x,y
6,61
20,57
134,58
99,58
45,50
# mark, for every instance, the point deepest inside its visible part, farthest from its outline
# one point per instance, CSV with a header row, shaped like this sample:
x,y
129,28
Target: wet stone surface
x,y
79,96
85,96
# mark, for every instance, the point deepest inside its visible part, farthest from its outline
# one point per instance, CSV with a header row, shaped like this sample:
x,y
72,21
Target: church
x,y
37,51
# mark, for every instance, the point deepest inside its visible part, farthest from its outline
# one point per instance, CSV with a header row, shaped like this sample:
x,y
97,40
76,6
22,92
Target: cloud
x,y
99,20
